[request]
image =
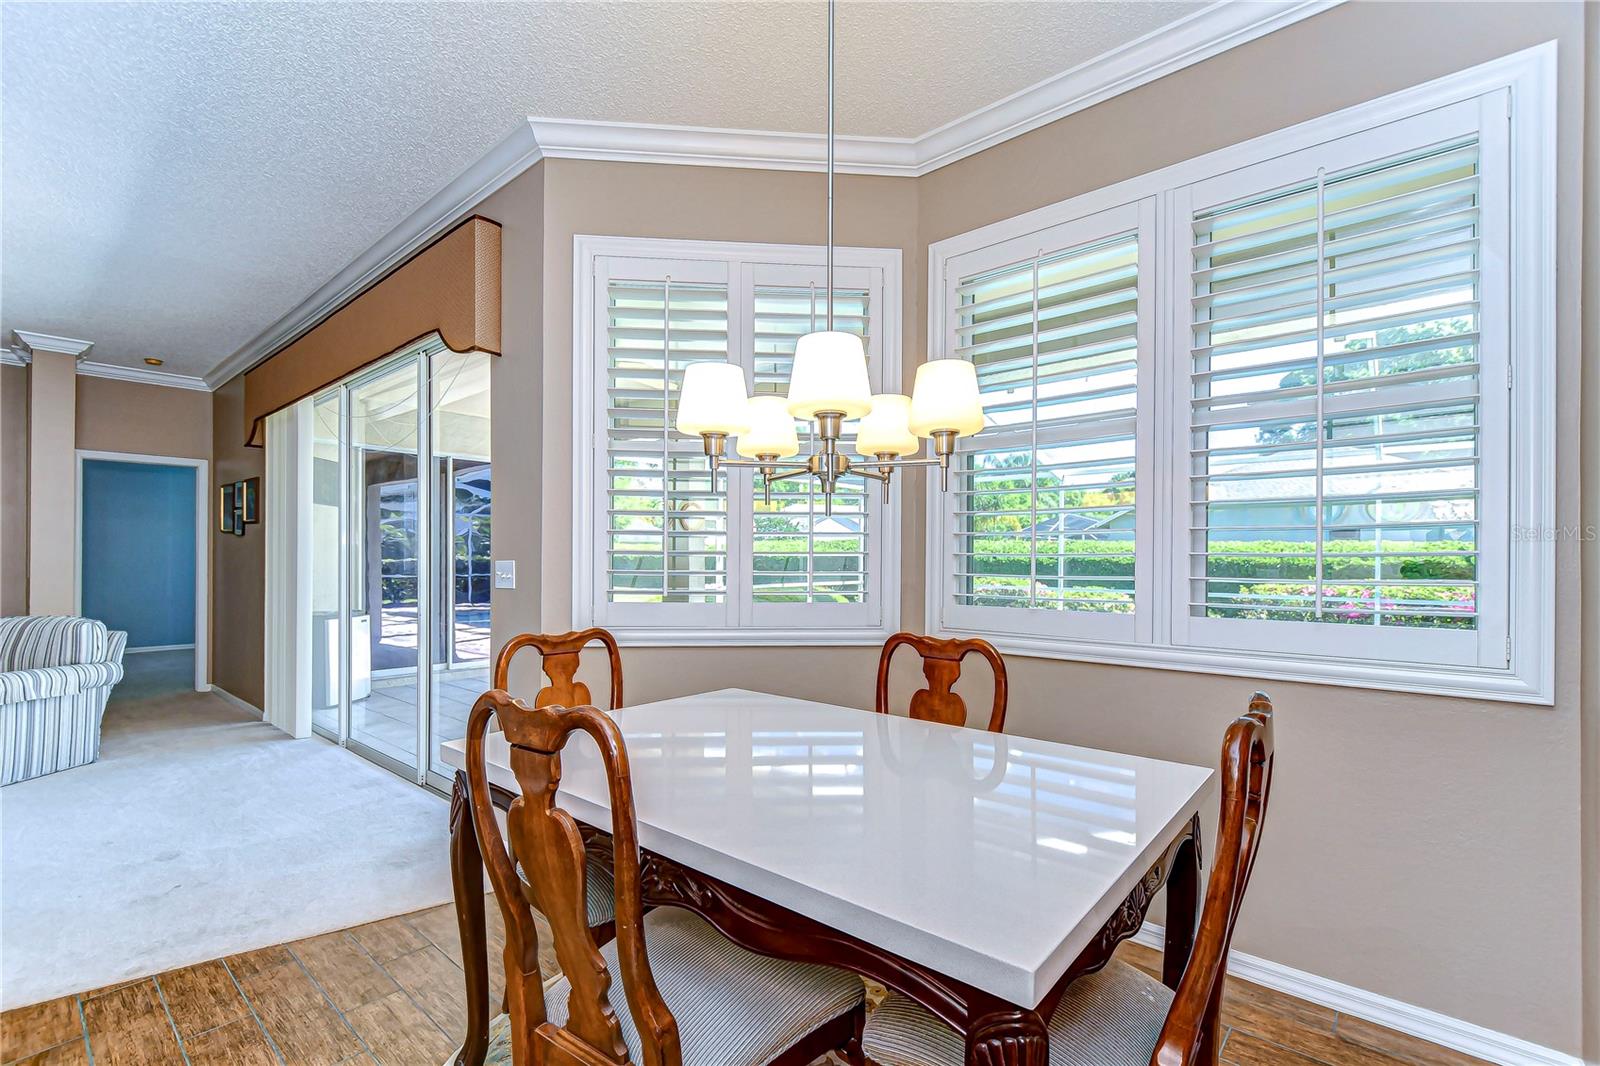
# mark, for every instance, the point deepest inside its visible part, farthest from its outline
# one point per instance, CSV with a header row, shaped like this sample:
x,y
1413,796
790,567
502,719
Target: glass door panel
x,y
326,514
386,538
462,570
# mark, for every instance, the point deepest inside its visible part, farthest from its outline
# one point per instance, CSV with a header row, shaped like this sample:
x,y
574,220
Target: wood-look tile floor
x,y
391,992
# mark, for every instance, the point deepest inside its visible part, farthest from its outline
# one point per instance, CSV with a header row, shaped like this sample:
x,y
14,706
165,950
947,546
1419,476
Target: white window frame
x,y
1517,90
738,620
1138,217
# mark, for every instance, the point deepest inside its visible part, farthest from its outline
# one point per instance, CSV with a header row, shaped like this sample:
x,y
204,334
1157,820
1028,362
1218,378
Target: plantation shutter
x,y
799,554
666,522
1336,397
1044,499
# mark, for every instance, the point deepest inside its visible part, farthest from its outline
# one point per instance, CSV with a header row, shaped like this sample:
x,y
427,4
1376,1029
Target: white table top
x,y
990,858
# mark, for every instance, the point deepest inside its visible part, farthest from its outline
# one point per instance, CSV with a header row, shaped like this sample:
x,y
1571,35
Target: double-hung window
x,y
663,551
1284,410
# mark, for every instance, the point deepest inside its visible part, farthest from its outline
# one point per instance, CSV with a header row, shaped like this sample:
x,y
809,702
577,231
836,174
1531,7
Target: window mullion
x,y
1322,379
666,437
1033,427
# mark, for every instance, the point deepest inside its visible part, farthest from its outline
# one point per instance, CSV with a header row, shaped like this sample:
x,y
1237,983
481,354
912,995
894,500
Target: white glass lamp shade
x,y
886,430
771,429
945,398
830,374
713,400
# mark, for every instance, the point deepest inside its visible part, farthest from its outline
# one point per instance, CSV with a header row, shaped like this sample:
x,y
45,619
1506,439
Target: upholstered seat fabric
x,y
734,1007
1110,1018
600,888
56,673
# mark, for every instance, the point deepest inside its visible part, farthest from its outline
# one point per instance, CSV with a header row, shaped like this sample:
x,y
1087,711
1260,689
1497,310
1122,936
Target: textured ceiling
x,y
176,177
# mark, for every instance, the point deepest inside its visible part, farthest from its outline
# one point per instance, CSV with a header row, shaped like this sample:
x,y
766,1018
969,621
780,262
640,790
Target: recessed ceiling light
x,y
152,360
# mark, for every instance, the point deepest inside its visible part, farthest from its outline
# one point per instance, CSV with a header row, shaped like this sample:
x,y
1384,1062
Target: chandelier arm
x,y
783,474
920,461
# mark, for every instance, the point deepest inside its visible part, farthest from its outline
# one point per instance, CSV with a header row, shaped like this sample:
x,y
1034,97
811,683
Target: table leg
x,y
466,875
1008,1037
1183,907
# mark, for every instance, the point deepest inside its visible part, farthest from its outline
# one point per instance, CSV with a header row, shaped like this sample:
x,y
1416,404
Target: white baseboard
x,y
243,705
158,647
1420,1022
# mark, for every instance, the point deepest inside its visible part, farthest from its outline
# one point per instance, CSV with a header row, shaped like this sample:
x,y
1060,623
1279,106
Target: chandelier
x,y
829,386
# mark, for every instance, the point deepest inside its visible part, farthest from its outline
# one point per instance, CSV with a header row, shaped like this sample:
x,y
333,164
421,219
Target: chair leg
x,y
839,1035
851,1052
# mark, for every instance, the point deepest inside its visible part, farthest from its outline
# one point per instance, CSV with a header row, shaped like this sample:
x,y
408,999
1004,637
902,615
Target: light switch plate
x,y
505,573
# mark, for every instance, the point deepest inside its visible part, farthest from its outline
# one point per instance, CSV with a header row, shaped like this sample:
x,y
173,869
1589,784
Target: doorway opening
x,y
141,563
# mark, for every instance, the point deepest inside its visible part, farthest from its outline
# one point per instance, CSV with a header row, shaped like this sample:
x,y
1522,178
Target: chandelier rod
x,y
831,4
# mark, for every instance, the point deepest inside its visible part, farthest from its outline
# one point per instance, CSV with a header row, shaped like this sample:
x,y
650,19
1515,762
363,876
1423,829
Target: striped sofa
x,y
55,676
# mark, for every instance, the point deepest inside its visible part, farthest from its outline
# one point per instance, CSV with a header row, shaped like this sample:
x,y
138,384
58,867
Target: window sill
x,y
1459,682
749,637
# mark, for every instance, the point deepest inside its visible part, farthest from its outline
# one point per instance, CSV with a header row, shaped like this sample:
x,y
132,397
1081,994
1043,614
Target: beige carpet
x,y
201,832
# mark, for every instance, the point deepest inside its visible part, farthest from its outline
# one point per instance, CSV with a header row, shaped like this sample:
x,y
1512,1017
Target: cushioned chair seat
x,y
734,1008
600,888
1111,1018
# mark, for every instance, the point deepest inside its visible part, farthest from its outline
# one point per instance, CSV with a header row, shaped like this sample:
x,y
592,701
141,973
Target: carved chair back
x,y
547,843
941,665
1190,1033
558,654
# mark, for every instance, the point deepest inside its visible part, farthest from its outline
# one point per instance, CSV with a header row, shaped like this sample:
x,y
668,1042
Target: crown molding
x,y
1191,40
44,342
513,154
143,375
1206,33
701,146
1214,29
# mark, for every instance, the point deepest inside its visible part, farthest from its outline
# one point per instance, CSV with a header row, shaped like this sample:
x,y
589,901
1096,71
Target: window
x,y
1044,505
665,554
1338,414
1260,412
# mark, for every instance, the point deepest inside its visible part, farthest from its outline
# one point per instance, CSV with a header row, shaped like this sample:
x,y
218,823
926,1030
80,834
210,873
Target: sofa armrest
x,y
48,682
116,641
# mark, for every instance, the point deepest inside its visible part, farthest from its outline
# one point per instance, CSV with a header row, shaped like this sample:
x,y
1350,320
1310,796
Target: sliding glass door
x,y
460,666
399,566
387,547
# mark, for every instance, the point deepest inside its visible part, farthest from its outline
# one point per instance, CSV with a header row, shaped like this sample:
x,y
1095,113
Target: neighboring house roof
x,y
1074,522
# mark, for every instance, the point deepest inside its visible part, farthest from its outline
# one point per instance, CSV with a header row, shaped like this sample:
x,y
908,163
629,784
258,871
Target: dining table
x,y
978,873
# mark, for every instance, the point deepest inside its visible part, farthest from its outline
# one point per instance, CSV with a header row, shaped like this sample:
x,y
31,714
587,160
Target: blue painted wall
x,y
138,550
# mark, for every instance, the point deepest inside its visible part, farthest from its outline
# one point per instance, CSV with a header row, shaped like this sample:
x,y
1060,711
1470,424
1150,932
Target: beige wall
x,y
13,490
1423,848
516,389
128,416
1591,545
238,564
52,484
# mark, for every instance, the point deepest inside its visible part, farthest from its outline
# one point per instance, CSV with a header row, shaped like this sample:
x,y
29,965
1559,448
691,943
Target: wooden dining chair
x,y
559,656
941,665
1122,1016
737,1007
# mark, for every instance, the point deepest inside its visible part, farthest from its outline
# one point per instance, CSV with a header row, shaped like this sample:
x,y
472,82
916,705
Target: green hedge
x,y
1256,560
